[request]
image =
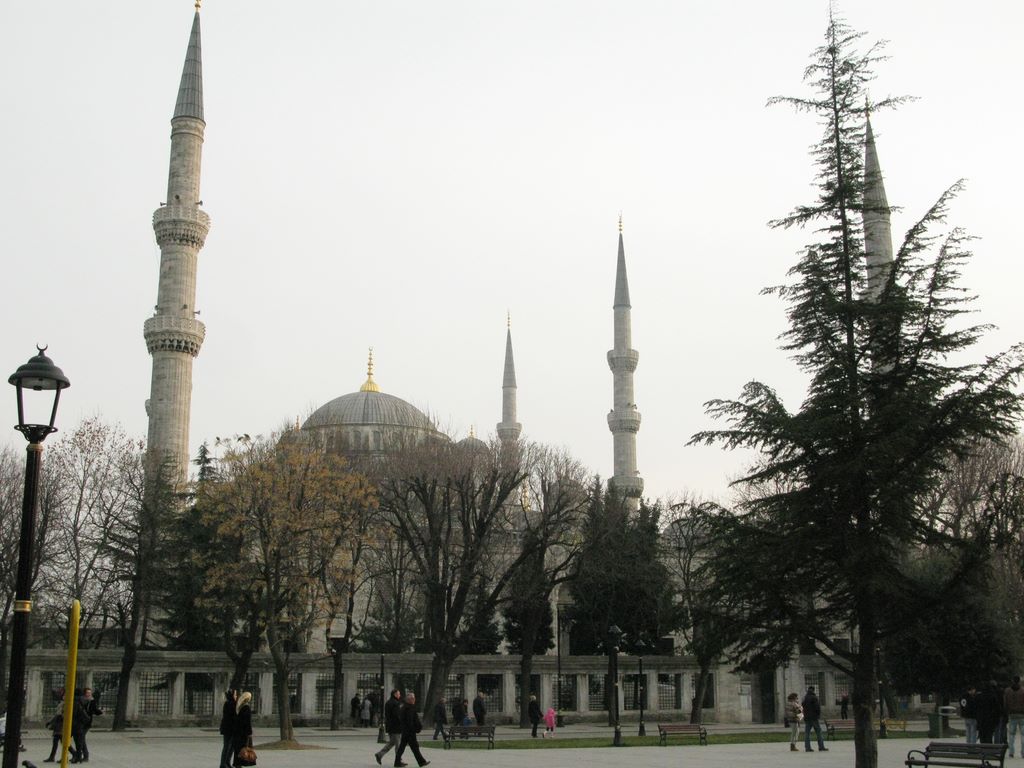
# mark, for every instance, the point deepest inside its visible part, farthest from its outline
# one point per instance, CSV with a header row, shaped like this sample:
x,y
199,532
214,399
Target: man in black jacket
x,y
479,708
392,723
411,725
227,727
812,716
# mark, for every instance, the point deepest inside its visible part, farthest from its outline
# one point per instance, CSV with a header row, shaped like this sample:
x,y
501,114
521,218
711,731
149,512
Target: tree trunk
x,y
700,690
338,702
440,665
531,625
132,641
120,721
284,712
240,661
862,700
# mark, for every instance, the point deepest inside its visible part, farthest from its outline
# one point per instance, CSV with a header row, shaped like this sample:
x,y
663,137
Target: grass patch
x,y
272,746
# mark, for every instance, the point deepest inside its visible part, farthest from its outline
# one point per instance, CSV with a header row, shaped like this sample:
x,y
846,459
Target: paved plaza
x,y
178,747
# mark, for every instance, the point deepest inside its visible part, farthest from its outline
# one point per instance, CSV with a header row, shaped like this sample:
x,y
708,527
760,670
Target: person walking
x,y
56,726
241,732
812,719
227,728
844,707
988,707
92,709
366,713
411,725
392,724
1013,709
355,706
969,712
440,717
550,719
78,719
479,708
794,714
533,712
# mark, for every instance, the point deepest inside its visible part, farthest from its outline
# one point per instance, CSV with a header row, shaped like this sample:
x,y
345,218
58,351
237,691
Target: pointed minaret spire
x,y
877,227
624,419
508,428
190,91
173,334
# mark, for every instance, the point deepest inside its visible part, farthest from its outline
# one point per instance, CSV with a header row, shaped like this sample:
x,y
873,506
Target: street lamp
x,y
39,374
641,646
380,731
559,719
614,638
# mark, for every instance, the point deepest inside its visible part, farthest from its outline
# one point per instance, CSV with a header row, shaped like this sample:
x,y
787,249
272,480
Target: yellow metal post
x,y
69,682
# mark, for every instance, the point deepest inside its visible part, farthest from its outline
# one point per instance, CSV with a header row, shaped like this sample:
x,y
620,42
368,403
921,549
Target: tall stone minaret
x,y
624,418
173,334
877,228
509,429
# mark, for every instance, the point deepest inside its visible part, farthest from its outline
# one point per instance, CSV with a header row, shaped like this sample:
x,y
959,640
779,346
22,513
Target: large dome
x,y
369,420
368,409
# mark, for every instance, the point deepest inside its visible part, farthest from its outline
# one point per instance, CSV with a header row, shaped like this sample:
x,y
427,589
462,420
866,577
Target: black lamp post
x,y
380,730
559,719
614,639
641,692
39,374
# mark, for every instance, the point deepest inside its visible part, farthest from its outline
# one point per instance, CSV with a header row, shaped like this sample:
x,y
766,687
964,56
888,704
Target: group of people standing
x,y
235,726
533,712
363,710
994,715
807,712
83,710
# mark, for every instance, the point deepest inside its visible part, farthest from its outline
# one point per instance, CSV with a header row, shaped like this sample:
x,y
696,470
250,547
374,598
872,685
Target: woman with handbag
x,y
794,714
244,753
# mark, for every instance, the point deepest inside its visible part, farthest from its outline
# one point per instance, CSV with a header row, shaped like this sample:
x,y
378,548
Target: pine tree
x,y
833,507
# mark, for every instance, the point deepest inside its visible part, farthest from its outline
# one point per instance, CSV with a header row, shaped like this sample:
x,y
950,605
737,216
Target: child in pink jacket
x,y
549,722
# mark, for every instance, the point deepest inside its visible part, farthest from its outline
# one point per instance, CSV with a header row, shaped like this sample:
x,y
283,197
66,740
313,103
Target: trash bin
x,y
937,726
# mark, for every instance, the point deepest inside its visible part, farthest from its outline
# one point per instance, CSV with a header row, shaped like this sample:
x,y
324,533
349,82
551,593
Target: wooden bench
x,y
958,754
468,732
682,729
832,727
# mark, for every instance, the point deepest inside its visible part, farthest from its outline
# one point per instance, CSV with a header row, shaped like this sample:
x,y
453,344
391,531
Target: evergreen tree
x,y
620,578
819,548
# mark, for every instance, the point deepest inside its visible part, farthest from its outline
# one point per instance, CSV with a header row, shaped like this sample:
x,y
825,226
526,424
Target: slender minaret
x,y
509,429
624,419
877,228
173,334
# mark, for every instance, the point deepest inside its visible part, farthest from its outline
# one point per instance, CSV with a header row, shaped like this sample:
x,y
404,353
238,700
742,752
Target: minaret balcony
x,y
166,333
620,360
624,421
181,225
628,486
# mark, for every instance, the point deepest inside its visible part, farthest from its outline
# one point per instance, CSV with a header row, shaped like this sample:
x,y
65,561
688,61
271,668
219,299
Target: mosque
x,y
366,421
180,686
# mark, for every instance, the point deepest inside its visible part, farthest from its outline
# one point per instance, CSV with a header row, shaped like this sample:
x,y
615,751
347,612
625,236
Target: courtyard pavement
x,y
187,747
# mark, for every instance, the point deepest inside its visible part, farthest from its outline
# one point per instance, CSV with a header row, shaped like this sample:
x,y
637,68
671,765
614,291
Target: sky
x,y
403,174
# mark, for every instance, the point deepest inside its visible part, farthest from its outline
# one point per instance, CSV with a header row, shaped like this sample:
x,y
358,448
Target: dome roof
x,y
368,408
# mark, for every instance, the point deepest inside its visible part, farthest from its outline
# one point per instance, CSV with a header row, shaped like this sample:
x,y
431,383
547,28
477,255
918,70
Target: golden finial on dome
x,y
620,222
198,3
472,430
297,425
369,385
508,319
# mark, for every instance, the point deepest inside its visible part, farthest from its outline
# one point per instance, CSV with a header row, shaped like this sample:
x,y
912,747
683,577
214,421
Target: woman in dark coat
x,y
988,709
227,729
243,724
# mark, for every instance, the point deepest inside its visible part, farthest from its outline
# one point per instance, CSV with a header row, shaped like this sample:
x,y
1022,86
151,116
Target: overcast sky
x,y
399,174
